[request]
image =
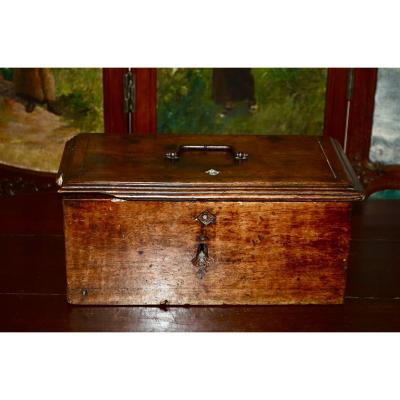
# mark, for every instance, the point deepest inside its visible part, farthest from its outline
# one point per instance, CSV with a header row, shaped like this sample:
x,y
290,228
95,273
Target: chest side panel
x,y
141,252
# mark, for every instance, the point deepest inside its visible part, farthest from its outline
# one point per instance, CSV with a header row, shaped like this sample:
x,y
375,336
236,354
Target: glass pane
x,y
385,140
280,101
41,108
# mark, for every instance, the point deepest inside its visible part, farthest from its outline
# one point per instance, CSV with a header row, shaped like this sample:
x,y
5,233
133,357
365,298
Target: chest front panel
x,y
155,252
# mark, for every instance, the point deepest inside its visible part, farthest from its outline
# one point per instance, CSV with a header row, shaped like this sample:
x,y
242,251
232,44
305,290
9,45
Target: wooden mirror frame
x,y
145,115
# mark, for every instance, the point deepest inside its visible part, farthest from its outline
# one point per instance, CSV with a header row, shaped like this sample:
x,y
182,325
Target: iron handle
x,y
206,147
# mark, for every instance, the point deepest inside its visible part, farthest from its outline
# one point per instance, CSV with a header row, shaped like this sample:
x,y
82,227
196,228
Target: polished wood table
x,y
32,283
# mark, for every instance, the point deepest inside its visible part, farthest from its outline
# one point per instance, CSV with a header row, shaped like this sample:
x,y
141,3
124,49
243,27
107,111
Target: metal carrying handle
x,y
206,147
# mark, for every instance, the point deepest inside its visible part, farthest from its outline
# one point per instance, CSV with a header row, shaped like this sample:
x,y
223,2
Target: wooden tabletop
x,y
32,284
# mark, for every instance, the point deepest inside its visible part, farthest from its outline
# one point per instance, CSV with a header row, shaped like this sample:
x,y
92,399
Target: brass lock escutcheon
x,y
202,259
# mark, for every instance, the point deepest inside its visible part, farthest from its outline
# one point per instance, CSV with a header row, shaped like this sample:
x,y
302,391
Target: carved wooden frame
x,y
15,181
145,119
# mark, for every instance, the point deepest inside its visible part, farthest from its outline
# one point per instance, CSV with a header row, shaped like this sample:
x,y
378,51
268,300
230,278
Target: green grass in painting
x,y
80,97
289,101
184,101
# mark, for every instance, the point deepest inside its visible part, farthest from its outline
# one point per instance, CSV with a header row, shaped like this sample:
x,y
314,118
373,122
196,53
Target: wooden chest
x,y
206,219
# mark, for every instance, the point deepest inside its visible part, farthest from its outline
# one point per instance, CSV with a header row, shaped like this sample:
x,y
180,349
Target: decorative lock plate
x,y
202,259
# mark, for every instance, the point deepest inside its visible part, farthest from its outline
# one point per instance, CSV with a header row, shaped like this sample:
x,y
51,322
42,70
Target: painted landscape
x,y
282,101
41,108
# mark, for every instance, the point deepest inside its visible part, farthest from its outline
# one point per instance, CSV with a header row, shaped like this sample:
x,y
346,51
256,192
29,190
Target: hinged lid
x,y
172,167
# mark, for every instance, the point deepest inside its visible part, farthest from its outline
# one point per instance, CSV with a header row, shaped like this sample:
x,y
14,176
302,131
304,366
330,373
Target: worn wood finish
x,y
278,168
280,236
141,252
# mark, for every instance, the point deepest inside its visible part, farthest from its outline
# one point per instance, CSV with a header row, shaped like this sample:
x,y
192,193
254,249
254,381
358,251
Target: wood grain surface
x,y
115,120
134,252
278,168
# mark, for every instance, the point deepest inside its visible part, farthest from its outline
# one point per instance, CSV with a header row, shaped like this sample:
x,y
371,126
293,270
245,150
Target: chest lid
x,y
172,167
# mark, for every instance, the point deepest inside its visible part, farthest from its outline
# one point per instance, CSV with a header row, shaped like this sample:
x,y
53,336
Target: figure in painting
x,y
233,85
36,86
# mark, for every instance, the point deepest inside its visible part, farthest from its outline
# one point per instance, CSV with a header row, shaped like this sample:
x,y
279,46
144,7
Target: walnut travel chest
x,y
206,220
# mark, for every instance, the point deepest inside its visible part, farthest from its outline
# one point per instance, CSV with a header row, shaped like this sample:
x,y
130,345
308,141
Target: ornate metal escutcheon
x,y
202,258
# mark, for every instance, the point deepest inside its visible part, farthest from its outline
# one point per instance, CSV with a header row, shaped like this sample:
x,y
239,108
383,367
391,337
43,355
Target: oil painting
x,y
278,101
41,108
